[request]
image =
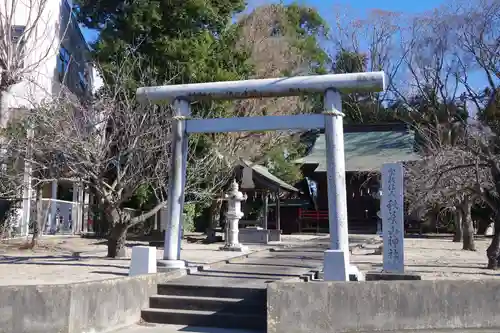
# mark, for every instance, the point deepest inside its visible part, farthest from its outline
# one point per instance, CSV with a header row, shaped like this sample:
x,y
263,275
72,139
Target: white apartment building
x,y
54,55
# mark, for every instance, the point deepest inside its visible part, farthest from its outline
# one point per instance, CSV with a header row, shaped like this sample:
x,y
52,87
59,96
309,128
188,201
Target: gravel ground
x,y
434,258
73,259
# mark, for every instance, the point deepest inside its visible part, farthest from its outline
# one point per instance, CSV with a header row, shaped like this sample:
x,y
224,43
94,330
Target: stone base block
x,y
274,235
254,235
336,266
355,274
166,265
259,235
143,260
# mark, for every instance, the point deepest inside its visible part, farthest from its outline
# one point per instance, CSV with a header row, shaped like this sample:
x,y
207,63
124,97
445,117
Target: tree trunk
x,y
38,225
116,240
468,237
457,238
215,210
493,251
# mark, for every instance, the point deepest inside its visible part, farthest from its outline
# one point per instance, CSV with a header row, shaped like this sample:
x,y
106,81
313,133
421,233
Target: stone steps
x,y
211,291
209,306
205,319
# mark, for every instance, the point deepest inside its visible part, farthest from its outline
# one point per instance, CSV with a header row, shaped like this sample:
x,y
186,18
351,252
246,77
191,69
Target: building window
x,y
17,32
17,40
83,80
63,63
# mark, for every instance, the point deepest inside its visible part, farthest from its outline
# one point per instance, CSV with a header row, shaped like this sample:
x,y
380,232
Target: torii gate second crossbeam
x,y
336,260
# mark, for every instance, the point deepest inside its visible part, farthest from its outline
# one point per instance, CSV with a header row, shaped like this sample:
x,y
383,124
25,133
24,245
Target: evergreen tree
x,y
360,107
179,41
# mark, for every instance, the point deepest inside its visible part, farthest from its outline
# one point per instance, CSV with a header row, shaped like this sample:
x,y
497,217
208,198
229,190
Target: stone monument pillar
x,y
233,216
392,211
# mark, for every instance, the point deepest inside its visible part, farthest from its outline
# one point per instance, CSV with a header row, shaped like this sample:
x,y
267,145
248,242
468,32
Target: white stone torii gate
x,y
336,260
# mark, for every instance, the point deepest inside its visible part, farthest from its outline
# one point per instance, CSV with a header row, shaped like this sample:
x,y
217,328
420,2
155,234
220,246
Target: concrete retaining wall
x,y
335,307
95,306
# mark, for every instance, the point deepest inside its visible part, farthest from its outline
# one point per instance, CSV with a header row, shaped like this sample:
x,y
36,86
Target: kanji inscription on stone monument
x,y
392,209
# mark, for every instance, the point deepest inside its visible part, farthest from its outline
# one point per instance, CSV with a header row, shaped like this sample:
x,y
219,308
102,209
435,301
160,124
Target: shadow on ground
x,y
57,260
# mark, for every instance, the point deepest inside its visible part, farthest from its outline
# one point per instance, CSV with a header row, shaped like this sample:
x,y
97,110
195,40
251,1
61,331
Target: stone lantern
x,y
233,216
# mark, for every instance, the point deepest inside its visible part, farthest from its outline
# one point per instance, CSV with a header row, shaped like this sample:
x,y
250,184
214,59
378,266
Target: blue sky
x,y
326,7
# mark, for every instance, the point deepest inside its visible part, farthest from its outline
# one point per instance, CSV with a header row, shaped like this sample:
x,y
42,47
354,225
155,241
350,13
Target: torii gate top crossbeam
x,y
277,87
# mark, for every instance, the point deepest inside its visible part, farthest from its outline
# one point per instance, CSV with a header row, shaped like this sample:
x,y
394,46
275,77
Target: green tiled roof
x,y
264,172
366,151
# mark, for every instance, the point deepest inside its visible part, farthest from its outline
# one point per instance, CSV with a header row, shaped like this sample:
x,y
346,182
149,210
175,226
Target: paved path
x,y
262,267
176,328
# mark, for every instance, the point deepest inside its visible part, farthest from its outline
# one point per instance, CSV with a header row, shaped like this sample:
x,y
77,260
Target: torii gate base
x,y
336,260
